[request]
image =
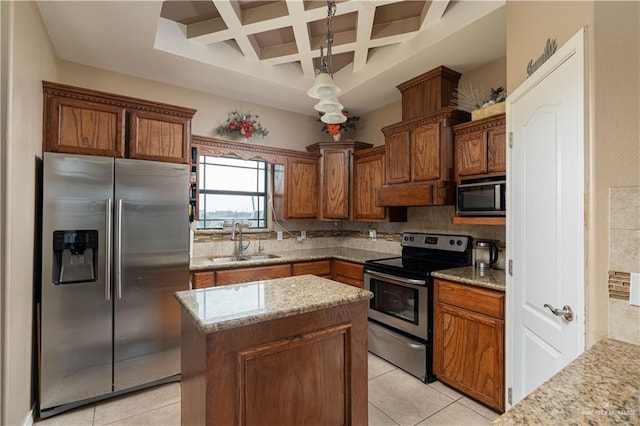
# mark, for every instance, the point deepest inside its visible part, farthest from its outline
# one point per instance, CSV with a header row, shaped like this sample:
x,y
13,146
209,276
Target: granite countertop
x,y
225,307
349,254
488,278
601,386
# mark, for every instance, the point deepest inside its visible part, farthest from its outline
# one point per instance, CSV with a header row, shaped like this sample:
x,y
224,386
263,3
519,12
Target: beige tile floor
x,y
395,398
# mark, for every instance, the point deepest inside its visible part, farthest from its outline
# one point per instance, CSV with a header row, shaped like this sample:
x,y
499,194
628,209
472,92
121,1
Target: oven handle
x,y
394,278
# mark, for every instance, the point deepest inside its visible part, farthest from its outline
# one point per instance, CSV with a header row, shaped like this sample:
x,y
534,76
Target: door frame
x,y
576,45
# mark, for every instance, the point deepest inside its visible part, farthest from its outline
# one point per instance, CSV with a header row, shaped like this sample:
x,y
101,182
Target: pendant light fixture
x,y
324,87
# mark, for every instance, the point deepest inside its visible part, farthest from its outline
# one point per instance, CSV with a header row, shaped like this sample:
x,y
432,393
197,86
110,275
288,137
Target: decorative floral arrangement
x,y
335,129
243,124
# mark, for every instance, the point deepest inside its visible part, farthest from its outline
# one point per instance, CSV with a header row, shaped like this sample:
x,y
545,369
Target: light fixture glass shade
x,y
333,118
328,105
323,87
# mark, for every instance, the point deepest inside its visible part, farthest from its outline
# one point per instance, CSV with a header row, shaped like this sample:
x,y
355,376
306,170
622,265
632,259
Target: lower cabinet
x,y
203,279
244,275
321,268
468,339
348,273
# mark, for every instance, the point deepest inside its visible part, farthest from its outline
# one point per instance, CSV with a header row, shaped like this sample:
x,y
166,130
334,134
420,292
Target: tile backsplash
x,y
624,258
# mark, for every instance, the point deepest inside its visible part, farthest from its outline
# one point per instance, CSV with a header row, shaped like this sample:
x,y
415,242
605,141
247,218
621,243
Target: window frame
x,y
203,192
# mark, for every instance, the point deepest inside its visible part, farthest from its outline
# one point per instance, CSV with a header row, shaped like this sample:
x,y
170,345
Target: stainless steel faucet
x,y
241,248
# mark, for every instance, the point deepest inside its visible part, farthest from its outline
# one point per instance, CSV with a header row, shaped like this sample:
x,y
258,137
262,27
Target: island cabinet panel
x,y
306,369
469,341
83,127
244,275
160,137
348,272
321,268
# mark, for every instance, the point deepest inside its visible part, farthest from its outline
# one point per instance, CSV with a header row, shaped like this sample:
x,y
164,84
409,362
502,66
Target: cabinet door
x,y
425,152
203,279
321,268
302,189
469,354
244,275
82,127
349,273
471,153
159,137
398,157
335,184
497,150
368,174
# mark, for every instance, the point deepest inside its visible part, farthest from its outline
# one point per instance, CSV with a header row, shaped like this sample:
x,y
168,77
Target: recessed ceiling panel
x,y
189,12
274,43
343,28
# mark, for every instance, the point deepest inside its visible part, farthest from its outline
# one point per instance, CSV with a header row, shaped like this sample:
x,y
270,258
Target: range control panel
x,y
445,242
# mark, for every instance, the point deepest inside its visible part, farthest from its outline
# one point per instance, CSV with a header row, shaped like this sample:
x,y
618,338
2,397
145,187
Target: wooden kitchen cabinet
x,y
368,175
398,156
84,121
243,275
419,160
84,127
335,177
159,137
321,268
203,279
468,339
348,272
296,188
481,148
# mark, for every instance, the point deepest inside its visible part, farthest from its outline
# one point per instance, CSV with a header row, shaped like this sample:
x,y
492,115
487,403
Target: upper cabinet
x,y
419,162
296,188
481,148
83,121
368,175
335,177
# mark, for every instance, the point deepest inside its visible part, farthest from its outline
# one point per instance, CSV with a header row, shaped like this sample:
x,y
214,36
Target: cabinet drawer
x,y
202,279
480,300
349,269
321,268
234,276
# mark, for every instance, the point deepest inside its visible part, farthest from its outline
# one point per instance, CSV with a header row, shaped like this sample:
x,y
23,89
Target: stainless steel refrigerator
x,y
115,248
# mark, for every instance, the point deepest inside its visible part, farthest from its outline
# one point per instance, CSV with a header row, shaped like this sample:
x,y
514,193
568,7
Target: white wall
x,y
30,59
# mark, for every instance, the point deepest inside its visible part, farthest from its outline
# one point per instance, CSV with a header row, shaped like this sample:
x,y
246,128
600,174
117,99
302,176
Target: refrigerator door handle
x,y
118,255
108,248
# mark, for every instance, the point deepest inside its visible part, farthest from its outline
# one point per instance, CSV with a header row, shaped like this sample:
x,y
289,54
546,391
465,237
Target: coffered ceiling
x,y
267,51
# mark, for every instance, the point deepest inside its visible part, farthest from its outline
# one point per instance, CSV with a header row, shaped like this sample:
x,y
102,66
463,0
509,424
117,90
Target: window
x,y
232,189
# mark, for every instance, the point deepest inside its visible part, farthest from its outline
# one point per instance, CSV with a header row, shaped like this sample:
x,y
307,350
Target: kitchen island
x,y
284,351
601,386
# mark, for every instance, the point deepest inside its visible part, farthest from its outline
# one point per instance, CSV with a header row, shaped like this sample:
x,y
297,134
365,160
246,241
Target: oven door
x,y
398,302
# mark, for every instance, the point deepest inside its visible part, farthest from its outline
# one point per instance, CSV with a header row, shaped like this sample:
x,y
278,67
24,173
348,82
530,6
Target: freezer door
x,y
151,263
75,310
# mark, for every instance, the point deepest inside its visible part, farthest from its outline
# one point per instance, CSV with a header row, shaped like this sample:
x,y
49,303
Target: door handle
x,y
118,250
566,311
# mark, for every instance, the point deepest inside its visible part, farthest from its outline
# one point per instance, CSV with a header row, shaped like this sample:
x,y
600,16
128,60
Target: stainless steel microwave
x,y
483,197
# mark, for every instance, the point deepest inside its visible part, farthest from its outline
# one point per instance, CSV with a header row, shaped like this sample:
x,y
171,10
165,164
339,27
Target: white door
x,y
545,220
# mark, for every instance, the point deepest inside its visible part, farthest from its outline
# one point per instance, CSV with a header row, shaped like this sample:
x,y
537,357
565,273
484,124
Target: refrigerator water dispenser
x,y
75,256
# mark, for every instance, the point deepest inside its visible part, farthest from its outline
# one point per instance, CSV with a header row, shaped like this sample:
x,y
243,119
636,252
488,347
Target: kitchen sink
x,y
243,258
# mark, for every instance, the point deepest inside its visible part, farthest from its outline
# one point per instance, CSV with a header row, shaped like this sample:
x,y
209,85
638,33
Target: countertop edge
x,y
493,280
355,295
